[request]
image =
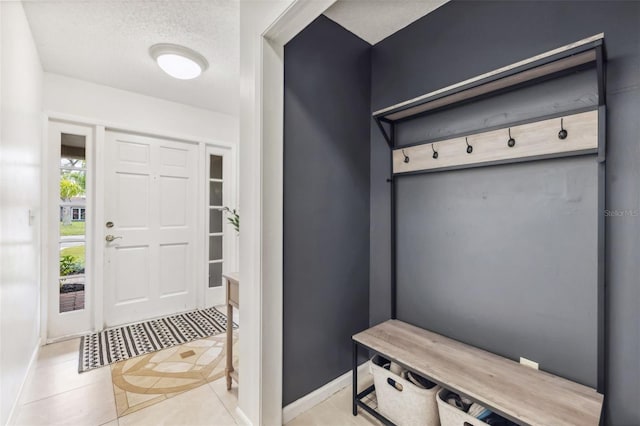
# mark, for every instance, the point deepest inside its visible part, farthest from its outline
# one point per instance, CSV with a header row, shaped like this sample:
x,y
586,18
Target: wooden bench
x,y
518,393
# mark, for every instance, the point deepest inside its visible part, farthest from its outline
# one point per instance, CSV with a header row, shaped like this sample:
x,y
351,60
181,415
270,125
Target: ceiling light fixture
x,y
178,61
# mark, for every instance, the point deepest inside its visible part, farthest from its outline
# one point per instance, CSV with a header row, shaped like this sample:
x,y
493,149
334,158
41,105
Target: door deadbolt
x,y
109,224
110,238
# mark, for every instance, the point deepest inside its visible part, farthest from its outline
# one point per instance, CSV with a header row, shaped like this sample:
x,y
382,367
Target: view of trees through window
x,y
73,187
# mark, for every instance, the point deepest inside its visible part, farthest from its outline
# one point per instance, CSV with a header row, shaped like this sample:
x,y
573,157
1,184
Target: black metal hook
x,y
511,142
406,157
562,134
469,147
435,153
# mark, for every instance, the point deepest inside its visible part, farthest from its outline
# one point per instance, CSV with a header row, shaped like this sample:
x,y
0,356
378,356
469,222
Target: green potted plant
x,y
233,217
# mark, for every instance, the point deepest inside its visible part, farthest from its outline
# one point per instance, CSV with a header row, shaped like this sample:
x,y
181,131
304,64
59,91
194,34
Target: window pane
x,y
215,274
72,226
215,221
215,248
216,167
72,151
72,276
215,193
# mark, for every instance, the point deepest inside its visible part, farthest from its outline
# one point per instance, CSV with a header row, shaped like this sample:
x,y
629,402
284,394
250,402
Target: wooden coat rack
x,y
577,132
536,140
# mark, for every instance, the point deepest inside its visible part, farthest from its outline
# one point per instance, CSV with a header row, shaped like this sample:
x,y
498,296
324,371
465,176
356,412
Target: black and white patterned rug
x,y
121,343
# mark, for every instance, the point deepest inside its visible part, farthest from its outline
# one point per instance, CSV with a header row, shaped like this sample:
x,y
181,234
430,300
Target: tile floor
x,y
55,394
149,379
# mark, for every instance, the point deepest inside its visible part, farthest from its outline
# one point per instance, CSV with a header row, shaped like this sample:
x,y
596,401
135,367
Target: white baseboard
x,y
30,367
243,417
319,395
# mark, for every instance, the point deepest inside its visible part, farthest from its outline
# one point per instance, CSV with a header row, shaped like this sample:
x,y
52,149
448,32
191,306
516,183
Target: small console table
x,y
523,395
232,301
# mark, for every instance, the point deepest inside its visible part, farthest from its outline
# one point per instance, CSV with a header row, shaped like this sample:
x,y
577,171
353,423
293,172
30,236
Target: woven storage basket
x,y
452,416
410,406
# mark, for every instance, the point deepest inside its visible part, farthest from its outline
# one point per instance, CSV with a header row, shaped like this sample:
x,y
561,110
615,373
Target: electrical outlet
x,y
528,363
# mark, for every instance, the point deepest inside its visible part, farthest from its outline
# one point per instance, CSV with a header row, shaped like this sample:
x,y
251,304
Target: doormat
x,y
121,343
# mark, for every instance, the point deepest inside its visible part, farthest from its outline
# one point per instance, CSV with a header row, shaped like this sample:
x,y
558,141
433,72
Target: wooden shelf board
x,y
520,393
495,82
494,86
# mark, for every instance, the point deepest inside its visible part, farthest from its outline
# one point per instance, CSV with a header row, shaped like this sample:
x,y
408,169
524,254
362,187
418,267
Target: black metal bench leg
x,y
355,378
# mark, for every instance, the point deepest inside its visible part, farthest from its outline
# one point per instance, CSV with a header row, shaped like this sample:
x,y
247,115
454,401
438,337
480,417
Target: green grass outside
x,y
77,253
75,228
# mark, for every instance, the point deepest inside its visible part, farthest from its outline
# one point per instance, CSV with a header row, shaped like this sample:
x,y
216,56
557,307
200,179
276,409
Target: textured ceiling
x,y
375,20
107,42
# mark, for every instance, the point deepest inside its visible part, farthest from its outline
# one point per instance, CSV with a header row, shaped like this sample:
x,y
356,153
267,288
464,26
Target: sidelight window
x,y
216,221
72,235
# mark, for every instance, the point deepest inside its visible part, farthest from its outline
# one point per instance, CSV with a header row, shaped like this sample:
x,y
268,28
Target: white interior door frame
x,y
261,192
99,128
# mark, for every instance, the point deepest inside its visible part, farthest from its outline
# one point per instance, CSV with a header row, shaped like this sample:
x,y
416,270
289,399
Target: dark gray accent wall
x,y
463,39
492,255
326,204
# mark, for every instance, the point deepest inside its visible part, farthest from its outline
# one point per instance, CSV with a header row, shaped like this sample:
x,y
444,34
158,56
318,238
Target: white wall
x,y
20,159
265,26
132,111
255,18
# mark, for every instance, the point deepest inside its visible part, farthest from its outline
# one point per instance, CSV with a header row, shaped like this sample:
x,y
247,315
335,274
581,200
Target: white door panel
x,y
173,268
131,266
151,200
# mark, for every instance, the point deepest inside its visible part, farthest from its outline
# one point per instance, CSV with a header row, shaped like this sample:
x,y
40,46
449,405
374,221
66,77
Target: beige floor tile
x,y
59,352
324,414
336,410
50,379
228,397
175,384
173,367
210,355
89,405
164,354
111,423
342,402
122,403
142,381
197,407
134,399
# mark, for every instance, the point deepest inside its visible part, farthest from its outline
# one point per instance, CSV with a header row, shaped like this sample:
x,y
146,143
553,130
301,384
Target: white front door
x,y
150,227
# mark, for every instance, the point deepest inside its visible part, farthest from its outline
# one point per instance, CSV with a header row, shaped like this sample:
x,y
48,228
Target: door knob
x,y
110,238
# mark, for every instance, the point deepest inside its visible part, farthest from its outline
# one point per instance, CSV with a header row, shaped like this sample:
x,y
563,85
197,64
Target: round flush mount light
x,y
178,61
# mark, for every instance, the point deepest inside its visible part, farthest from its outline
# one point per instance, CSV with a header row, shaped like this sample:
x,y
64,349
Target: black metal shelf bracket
x,y
387,134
